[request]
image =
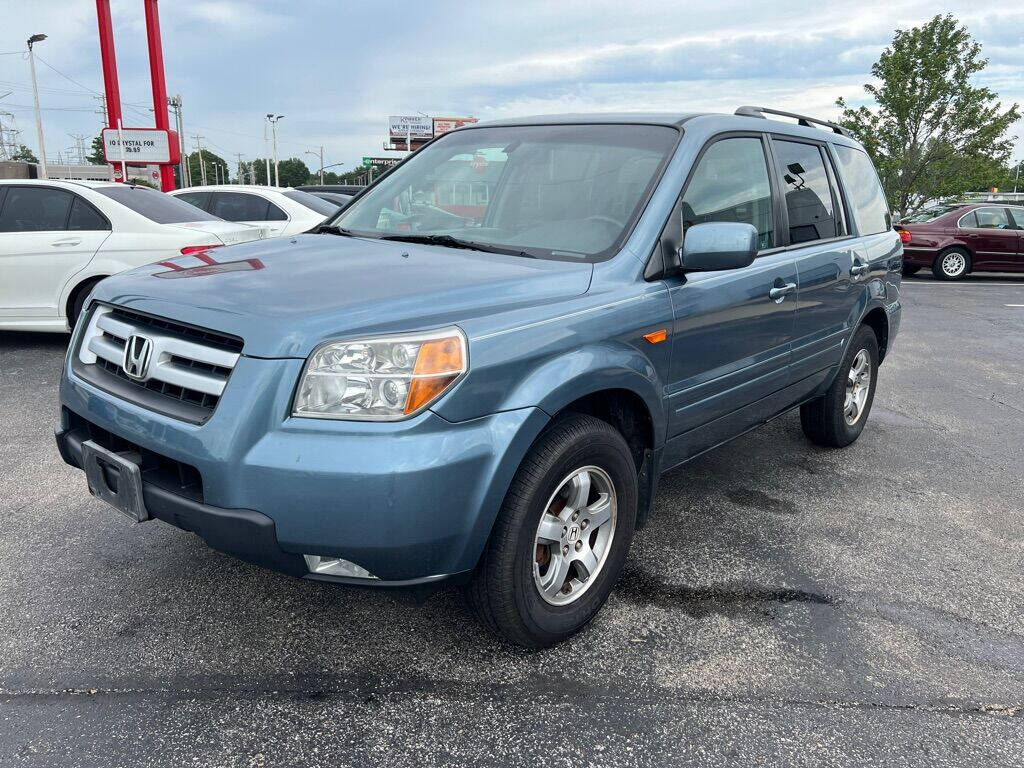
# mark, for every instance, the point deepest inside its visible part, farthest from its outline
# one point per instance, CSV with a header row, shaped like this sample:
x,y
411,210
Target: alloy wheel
x,y
953,264
574,535
858,385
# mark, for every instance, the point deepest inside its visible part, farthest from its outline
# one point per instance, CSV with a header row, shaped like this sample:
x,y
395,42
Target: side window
x,y
85,217
968,221
35,209
731,183
992,218
238,206
1017,215
198,199
804,183
275,214
870,210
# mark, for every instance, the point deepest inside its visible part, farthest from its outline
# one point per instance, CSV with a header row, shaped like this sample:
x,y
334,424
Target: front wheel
x,y
561,537
837,418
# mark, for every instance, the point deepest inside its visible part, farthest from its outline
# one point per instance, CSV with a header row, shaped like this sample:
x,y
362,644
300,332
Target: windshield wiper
x,y
333,229
455,242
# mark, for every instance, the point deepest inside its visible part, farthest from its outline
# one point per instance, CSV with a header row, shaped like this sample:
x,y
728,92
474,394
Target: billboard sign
x,y
381,162
141,146
415,127
445,124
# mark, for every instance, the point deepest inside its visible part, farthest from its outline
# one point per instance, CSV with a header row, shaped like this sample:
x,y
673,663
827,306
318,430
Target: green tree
x,y
209,160
292,172
24,154
95,155
930,131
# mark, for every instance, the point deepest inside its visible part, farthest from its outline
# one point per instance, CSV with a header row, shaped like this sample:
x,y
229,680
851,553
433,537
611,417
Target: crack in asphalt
x,y
378,694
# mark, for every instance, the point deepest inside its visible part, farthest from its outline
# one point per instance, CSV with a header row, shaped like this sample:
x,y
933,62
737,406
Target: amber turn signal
x,y
438,364
656,337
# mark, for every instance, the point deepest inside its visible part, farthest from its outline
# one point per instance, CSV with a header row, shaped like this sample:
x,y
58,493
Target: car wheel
x,y
78,303
909,271
837,418
561,537
953,264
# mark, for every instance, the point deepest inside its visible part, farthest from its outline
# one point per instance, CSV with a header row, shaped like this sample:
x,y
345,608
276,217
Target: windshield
x,y
929,214
569,192
155,206
314,203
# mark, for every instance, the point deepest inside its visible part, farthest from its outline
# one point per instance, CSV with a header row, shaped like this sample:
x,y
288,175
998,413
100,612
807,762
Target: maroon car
x,y
954,240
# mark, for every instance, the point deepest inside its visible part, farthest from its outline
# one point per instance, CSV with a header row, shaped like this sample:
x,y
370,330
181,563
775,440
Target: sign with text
x,y
415,127
381,162
445,124
141,145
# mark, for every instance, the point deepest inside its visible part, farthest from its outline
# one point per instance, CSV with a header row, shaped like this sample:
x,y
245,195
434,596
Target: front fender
x,y
581,372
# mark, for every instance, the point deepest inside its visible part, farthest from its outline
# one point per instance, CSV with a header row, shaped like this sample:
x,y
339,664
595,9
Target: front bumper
x,y
411,502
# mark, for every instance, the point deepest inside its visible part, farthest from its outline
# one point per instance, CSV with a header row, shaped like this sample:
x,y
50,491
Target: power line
x,y
66,77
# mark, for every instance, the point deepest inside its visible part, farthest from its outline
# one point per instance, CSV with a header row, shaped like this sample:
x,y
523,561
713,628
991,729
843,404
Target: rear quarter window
x,y
863,191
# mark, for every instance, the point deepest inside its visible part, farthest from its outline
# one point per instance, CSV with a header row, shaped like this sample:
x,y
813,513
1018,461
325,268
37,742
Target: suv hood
x,y
286,295
227,232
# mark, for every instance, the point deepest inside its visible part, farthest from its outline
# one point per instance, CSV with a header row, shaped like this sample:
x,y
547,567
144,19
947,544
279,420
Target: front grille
x,y
157,469
188,367
159,324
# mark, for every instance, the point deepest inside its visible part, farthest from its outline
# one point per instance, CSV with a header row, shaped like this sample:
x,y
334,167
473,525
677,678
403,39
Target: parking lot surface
x,y
786,605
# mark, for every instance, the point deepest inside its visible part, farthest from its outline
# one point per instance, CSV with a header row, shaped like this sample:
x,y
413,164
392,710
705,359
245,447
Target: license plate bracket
x,y
116,479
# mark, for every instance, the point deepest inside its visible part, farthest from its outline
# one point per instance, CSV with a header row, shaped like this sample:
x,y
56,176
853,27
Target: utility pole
x,y
202,162
266,149
241,168
35,96
179,126
272,119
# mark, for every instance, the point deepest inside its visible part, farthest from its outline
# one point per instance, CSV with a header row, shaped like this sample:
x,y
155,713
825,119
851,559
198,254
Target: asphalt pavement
x,y
786,605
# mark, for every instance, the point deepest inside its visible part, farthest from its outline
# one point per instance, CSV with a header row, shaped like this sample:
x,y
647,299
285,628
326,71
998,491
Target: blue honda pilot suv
x,y
478,370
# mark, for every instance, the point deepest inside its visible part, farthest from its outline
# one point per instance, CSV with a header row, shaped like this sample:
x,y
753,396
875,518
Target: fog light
x,y
335,566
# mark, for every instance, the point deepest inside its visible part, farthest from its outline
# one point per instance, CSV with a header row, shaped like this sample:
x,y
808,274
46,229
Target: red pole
x,y
109,58
156,73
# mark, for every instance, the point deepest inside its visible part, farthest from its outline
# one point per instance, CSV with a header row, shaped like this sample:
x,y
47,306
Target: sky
x,y
337,70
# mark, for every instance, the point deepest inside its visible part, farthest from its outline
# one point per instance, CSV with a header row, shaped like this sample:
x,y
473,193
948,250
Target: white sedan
x,y
59,238
283,210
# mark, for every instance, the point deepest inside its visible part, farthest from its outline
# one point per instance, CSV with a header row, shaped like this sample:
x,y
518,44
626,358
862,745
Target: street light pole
x,y
272,119
321,155
35,96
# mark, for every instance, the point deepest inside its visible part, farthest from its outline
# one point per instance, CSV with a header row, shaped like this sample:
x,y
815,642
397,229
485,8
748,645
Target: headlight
x,y
382,379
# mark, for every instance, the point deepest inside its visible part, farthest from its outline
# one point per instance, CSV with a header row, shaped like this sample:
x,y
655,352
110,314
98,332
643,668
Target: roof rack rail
x,y
803,120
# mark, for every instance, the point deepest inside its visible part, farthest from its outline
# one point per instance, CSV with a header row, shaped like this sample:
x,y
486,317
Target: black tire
x,y
78,301
824,419
909,271
503,591
943,262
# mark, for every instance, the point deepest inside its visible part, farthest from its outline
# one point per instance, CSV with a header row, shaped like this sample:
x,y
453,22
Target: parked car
x,y
410,397
337,198
282,210
955,240
59,238
342,189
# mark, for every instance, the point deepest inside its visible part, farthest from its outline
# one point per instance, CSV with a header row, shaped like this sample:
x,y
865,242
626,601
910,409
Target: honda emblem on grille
x,y
137,351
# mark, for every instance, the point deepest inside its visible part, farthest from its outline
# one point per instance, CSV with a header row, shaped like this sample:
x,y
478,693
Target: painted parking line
x,y
906,283
1013,305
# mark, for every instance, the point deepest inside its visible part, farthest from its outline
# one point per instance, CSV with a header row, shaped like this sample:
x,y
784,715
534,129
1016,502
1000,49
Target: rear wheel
x,y
953,264
561,537
77,303
837,418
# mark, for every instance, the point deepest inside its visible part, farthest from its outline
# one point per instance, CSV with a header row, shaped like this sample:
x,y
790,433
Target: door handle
x,y
859,269
65,243
780,293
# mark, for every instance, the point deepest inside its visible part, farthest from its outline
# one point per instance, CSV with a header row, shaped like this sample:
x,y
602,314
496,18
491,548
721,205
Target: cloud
x,y
338,70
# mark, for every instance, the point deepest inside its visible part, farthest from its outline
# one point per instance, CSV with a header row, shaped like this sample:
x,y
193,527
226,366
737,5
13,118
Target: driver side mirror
x,y
716,245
